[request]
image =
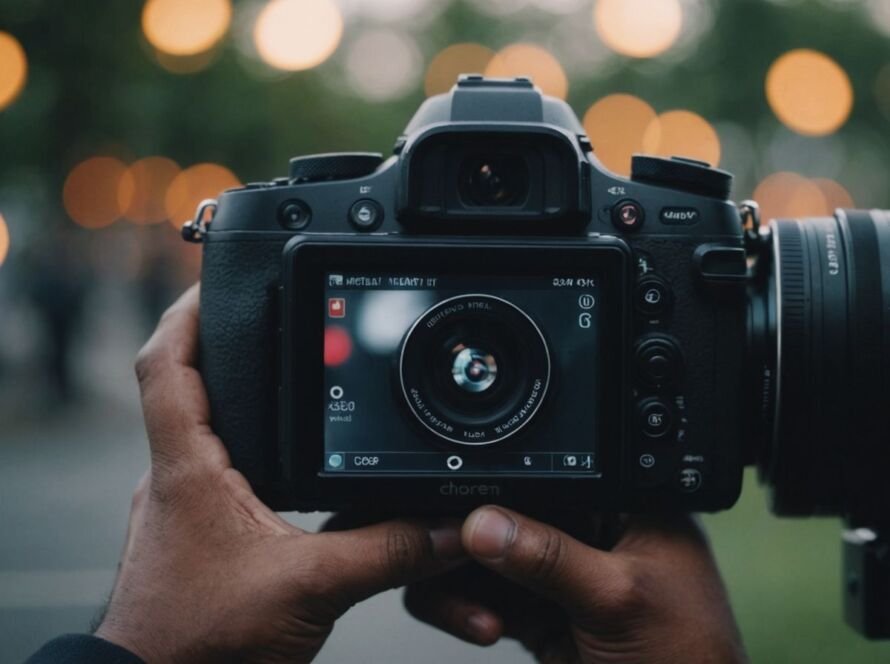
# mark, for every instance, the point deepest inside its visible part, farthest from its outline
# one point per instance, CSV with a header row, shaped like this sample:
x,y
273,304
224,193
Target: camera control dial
x,y
334,166
696,177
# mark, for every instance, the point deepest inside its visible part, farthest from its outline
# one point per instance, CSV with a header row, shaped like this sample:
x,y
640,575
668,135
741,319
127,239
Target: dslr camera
x,y
489,315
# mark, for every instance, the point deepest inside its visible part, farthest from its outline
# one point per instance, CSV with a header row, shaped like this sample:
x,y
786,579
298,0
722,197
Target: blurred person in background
x,y
56,280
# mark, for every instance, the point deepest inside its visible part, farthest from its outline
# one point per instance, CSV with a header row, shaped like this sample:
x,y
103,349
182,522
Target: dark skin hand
x,y
209,573
655,597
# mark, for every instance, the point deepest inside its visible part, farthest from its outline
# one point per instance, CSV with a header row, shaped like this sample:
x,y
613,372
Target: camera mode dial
x,y
696,177
334,166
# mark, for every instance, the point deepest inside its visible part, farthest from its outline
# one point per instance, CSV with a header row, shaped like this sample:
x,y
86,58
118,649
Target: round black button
x,y
655,418
294,215
652,296
659,361
628,215
365,214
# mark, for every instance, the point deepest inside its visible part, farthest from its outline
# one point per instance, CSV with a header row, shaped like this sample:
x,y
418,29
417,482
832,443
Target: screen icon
x,y
454,462
527,461
336,392
335,280
337,307
570,461
586,301
584,321
335,460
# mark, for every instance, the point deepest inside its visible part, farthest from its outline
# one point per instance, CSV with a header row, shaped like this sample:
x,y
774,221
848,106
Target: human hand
x,y
208,572
655,597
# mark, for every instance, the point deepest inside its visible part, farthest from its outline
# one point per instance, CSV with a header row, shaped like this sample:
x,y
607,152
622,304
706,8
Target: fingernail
x,y
446,542
481,627
490,533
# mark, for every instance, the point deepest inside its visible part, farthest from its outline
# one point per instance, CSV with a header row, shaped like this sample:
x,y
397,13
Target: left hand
x,y
209,573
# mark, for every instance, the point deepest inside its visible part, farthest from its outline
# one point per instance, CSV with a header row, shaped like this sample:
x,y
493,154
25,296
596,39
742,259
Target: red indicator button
x,y
336,307
337,346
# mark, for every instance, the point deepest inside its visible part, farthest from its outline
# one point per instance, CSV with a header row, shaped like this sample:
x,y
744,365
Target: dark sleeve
x,y
82,649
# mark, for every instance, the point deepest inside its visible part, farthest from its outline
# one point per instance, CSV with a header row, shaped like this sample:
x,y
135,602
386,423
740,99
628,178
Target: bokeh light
x,y
809,92
298,34
836,195
383,64
533,61
638,28
192,186
683,134
143,188
90,194
456,59
4,240
13,69
185,27
185,64
788,195
615,125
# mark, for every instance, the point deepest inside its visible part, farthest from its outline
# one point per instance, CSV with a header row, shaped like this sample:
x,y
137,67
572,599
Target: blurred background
x,y
116,118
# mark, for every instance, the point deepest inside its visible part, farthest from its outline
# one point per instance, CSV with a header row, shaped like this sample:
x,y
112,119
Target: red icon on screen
x,y
337,307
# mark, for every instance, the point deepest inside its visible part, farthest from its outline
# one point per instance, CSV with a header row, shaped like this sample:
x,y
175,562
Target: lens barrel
x,y
474,369
819,366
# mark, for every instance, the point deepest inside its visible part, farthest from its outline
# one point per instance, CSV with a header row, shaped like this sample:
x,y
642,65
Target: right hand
x,y
655,597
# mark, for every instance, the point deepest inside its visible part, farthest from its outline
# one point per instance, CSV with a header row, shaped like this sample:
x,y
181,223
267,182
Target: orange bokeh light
x,y
638,28
682,134
836,195
533,61
452,61
297,34
185,27
193,185
143,189
4,240
809,92
615,125
13,69
789,195
90,194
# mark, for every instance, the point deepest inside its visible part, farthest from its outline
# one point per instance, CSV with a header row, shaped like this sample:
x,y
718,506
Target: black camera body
x,y
486,316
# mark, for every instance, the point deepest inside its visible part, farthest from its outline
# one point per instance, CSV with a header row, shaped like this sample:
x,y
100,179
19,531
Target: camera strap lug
x,y
194,230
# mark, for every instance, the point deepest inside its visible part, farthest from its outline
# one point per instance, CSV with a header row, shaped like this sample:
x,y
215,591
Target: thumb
x,y
386,555
586,582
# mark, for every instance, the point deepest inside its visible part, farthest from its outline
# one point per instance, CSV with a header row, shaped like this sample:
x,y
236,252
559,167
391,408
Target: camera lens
x,y
494,181
474,369
819,345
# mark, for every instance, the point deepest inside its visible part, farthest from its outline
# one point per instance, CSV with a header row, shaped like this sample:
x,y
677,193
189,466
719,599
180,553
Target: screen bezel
x,y
301,401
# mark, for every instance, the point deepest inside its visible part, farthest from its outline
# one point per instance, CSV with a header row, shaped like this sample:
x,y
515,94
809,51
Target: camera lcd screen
x,y
462,374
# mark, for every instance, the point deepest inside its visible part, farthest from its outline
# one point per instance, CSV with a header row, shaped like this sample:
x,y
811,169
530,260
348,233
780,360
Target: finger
x,y
581,579
370,560
174,402
434,603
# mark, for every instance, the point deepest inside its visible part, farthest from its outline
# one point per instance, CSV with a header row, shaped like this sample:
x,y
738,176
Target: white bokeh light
x,y
385,316
383,64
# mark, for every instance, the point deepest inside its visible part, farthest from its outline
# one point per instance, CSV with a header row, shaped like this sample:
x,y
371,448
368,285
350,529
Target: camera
x,y
489,315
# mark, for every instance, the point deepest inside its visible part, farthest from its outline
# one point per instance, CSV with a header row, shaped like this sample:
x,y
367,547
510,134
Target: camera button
x,y
655,418
652,296
658,361
294,215
689,480
628,215
365,214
